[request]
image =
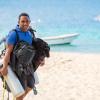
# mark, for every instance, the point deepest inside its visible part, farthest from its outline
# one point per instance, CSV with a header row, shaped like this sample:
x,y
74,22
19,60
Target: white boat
x,y
68,38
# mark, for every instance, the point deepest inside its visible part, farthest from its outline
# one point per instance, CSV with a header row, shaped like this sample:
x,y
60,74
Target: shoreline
x,y
68,76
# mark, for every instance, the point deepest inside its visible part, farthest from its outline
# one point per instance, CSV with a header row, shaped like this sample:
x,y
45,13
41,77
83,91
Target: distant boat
x,y
68,38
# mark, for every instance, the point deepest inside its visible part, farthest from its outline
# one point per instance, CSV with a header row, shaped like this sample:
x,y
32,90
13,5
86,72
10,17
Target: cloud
x,y
97,18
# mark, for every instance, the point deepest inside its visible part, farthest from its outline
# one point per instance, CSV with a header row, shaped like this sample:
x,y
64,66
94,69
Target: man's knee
x,y
27,91
22,96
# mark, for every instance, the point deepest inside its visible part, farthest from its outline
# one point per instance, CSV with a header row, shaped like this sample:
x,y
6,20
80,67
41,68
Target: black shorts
x,y
27,81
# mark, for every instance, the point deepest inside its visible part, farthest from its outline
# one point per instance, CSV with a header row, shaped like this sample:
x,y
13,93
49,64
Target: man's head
x,y
24,21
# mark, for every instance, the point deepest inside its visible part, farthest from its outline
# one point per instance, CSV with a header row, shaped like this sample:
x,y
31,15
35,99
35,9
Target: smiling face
x,y
24,23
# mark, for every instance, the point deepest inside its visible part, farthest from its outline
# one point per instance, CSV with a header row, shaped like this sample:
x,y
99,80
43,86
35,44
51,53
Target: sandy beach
x,y
67,76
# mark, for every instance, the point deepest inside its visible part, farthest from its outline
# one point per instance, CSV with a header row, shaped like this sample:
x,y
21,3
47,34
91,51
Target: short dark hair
x,y
23,14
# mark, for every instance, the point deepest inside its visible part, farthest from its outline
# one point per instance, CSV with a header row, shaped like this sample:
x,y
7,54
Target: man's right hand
x,y
6,59
4,71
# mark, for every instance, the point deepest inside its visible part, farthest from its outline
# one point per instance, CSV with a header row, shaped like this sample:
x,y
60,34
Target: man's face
x,y
24,23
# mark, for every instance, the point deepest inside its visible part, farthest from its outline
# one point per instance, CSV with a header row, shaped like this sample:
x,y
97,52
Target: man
x,y
25,35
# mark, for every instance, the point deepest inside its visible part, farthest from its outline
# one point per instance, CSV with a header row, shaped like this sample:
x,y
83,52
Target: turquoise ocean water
x,y
57,17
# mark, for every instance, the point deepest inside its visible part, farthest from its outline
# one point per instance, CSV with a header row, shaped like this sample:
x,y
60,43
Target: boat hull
x,y
61,39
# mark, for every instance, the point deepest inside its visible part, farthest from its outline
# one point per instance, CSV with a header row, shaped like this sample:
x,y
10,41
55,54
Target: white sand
x,y
68,76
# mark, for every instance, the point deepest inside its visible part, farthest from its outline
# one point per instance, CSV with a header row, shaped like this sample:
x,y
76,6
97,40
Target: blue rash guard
x,y
25,36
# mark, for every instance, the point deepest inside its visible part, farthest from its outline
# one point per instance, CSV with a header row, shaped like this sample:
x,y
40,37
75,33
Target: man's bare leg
x,y
26,92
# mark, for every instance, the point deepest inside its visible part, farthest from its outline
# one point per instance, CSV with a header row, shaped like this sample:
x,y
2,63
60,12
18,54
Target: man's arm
x,y
6,59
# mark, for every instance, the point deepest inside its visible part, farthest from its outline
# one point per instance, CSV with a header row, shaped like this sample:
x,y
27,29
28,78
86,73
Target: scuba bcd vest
x,y
25,55
22,56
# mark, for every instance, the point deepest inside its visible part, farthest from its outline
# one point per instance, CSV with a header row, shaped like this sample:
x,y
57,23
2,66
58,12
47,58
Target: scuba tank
x,y
13,82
